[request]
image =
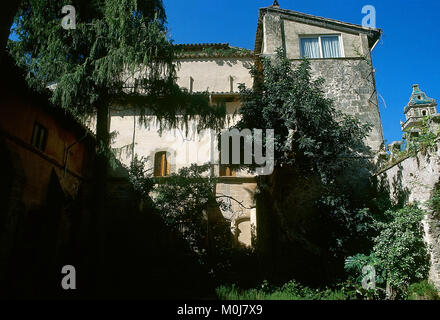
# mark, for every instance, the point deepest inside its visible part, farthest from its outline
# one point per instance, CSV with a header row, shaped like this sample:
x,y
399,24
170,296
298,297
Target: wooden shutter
x,y
161,166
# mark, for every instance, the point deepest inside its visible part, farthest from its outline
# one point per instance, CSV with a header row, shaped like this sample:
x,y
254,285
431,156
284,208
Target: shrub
x,y
401,249
399,255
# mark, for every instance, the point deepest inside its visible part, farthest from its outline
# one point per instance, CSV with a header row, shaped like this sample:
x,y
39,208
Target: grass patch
x,y
289,291
423,291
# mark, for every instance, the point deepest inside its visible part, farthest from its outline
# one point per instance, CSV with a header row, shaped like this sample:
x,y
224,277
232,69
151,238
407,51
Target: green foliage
x,y
185,201
434,201
214,52
354,265
309,131
88,62
140,177
317,141
399,254
400,247
118,54
350,228
423,290
427,138
425,141
292,290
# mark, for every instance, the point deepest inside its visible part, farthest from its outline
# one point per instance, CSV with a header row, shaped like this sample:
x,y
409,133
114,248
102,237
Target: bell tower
x,y
418,107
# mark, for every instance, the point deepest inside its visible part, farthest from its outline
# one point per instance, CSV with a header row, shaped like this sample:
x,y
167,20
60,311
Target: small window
x,y
39,137
424,113
161,164
321,47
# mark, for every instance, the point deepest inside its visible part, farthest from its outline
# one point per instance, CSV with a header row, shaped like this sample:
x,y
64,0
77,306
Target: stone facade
x,y
218,73
350,83
218,69
349,79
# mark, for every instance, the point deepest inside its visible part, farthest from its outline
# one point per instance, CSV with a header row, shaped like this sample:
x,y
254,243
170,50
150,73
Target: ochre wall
x,y
17,118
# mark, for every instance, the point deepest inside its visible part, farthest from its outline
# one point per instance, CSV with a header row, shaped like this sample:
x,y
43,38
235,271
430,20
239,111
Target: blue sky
x,y
406,54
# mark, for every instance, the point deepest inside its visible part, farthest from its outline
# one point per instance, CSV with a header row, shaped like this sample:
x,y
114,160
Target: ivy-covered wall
x,y
414,180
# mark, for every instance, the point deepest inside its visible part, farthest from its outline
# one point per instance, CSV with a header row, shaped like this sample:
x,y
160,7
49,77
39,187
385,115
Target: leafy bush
x,y
399,254
423,291
355,264
183,200
401,249
187,203
140,178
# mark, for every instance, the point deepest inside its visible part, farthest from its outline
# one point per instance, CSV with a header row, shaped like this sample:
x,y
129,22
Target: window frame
x,y
36,137
321,53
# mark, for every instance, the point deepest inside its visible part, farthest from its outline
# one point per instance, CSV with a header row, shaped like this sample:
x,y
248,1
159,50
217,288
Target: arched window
x,y
161,164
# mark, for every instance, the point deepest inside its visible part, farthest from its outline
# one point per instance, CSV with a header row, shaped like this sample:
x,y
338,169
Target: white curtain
x,y
310,47
331,47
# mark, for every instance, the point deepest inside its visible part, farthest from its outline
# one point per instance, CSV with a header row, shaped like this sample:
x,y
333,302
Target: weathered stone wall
x,y
350,83
349,80
413,180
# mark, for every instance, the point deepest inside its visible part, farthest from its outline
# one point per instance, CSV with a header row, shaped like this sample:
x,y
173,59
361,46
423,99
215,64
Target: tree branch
x,y
221,195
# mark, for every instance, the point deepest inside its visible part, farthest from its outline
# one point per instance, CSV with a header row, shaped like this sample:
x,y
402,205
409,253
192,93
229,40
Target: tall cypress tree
x,y
118,53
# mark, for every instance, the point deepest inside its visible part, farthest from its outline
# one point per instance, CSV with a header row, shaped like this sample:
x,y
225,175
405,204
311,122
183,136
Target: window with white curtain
x,y
321,47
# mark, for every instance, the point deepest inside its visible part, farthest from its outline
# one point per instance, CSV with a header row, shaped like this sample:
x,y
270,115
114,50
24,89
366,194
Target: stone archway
x,y
243,231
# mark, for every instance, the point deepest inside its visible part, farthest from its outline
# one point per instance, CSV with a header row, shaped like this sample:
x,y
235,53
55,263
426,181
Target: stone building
x,y
339,52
